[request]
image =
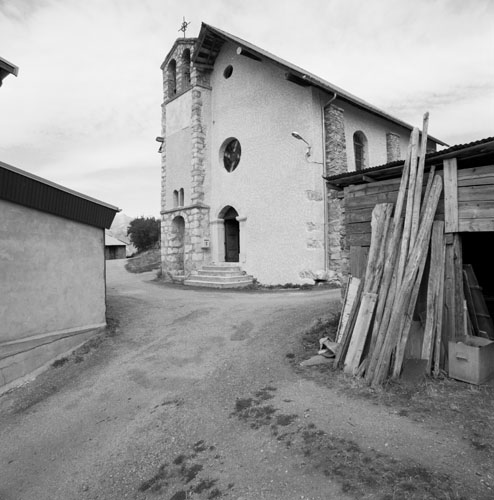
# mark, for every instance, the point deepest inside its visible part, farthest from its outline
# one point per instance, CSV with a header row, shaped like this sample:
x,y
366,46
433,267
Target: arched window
x,y
186,69
175,199
181,197
360,150
172,78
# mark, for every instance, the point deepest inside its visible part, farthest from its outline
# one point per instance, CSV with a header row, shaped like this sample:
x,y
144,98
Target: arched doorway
x,y
177,242
232,234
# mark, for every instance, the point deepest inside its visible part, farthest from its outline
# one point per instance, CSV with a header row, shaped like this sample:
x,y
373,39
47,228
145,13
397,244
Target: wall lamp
x,y
300,138
161,140
309,148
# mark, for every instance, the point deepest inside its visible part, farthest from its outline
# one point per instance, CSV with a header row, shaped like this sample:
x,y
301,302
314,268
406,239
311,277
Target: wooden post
x,y
436,270
450,195
458,287
439,317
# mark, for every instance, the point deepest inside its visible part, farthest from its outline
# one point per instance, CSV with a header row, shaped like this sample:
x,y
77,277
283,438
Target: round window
x,y
231,154
228,71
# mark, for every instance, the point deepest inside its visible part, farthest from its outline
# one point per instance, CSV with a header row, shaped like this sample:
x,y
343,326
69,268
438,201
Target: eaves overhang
x,y
211,39
7,68
483,148
178,42
23,188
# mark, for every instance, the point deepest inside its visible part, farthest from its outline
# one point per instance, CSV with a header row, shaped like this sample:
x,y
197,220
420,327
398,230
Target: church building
x,y
246,140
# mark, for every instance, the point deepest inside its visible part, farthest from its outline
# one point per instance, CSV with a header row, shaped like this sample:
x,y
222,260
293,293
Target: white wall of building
x,y
375,129
279,193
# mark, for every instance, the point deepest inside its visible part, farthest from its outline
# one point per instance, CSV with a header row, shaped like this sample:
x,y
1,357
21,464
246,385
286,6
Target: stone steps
x,y
224,275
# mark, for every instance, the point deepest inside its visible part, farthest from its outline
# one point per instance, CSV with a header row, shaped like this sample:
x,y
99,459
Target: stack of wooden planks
x,y
379,308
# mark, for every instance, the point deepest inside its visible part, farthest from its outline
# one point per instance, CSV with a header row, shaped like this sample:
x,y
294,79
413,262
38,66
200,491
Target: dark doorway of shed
x,y
477,250
177,242
232,234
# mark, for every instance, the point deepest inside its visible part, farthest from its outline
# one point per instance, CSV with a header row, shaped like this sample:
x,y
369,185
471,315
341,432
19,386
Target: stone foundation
x,y
183,247
336,163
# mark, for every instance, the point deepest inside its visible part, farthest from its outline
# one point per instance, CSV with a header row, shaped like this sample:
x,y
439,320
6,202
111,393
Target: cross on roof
x,y
183,27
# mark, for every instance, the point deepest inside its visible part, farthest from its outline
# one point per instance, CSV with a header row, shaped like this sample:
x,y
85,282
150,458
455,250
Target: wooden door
x,y
232,240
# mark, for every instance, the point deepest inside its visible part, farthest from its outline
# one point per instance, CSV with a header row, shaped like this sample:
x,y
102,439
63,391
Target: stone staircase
x,y
224,275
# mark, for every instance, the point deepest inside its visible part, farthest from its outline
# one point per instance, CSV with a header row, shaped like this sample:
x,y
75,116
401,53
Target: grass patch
x,y
362,473
144,261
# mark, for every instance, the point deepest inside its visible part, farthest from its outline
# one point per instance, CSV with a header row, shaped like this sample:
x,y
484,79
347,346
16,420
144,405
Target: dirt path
x,y
194,397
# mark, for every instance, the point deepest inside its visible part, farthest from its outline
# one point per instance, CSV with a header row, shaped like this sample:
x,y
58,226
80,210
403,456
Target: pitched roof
x,y
111,241
24,188
211,39
7,68
482,147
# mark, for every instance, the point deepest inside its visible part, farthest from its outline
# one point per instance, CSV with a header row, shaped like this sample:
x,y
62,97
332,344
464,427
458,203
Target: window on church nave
x,y
360,150
231,154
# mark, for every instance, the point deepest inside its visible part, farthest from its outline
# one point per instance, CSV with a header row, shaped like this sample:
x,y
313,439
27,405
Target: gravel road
x,y
193,397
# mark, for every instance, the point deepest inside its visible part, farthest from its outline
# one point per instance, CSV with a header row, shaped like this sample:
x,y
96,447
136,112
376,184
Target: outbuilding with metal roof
x,y
52,271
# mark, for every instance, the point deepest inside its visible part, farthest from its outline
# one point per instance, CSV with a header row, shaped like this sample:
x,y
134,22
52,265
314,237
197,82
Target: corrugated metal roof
x,y
306,76
475,148
24,188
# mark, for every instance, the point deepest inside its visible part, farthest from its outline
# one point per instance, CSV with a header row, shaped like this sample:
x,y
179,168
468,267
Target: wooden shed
x,y
114,248
467,209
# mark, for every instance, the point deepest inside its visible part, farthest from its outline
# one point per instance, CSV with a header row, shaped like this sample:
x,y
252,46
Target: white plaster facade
x,y
279,196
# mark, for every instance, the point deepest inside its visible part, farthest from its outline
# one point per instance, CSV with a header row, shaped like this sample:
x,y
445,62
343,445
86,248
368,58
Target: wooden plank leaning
x,y
439,318
407,319
392,254
381,218
405,291
360,331
384,301
430,178
347,331
417,197
351,293
405,240
436,269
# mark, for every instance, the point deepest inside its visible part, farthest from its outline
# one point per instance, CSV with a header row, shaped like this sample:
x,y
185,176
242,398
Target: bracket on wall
x,y
242,52
291,77
368,178
333,187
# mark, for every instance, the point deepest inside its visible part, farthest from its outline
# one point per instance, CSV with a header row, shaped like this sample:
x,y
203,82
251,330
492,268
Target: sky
x,y
85,108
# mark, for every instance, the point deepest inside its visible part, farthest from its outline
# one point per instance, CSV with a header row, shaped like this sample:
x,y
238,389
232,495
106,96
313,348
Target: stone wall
x,y
198,170
336,163
393,150
177,80
184,252
182,245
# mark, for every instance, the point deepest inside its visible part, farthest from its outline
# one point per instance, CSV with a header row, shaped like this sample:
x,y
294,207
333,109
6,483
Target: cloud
x,y
87,99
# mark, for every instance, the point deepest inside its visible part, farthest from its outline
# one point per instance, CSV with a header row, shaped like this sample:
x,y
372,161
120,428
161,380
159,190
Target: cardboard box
x,y
471,359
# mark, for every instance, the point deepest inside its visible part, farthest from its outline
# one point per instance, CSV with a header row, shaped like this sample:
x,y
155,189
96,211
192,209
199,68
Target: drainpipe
x,y
325,188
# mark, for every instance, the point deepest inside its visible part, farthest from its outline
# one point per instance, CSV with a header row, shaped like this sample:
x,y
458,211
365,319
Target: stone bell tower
x,y
184,166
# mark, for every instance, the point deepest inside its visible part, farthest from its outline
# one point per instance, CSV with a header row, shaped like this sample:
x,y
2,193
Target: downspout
x,y
325,188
